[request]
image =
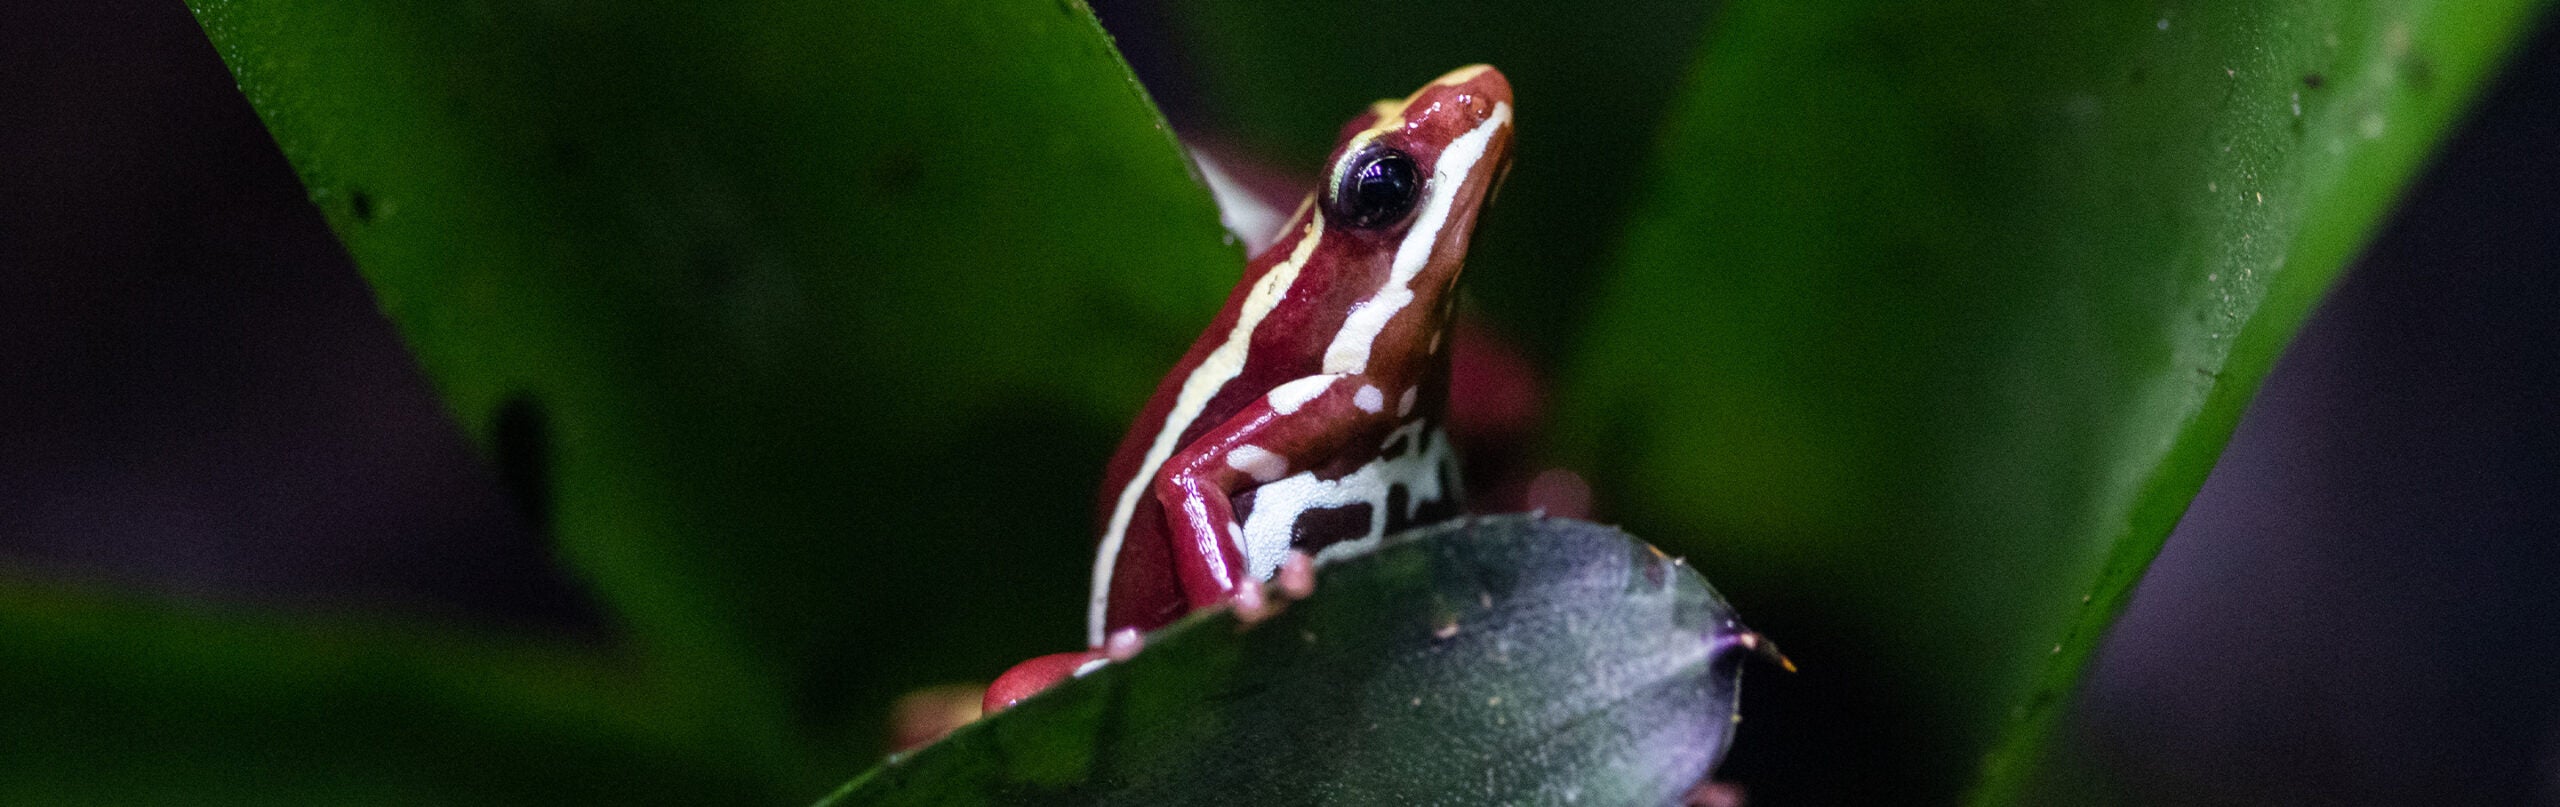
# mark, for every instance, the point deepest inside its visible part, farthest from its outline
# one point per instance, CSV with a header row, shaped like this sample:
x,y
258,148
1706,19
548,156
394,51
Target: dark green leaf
x,y
1935,316
807,318
1509,660
118,701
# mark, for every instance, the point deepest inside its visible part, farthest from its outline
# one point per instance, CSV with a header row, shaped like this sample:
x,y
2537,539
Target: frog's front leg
x,y
1296,426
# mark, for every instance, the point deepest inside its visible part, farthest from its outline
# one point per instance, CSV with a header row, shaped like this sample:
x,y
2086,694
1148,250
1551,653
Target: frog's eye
x,y
1377,188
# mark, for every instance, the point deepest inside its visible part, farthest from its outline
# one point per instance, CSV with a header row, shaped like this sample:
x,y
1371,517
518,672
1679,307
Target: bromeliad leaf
x,y
1511,659
748,297
1936,315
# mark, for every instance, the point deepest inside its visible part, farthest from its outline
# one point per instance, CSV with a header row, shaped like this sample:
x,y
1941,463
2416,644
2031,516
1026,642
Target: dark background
x,y
197,397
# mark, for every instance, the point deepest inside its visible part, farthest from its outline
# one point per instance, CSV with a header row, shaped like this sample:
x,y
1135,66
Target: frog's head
x,y
1397,205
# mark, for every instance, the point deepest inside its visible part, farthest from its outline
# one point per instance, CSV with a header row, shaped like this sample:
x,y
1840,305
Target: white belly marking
x,y
1277,505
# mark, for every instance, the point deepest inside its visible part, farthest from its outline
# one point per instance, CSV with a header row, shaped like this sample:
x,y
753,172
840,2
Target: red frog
x,y
1307,420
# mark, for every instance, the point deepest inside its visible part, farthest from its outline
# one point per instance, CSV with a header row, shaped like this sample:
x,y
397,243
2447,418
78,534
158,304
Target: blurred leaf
x,y
114,701
1935,316
1594,86
802,322
1508,660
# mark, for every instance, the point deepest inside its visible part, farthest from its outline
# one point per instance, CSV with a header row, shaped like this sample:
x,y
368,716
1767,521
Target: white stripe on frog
x,y
1204,382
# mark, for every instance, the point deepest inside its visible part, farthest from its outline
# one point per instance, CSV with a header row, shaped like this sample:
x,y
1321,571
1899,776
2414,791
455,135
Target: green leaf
x,y
1935,316
1501,660
801,320
111,700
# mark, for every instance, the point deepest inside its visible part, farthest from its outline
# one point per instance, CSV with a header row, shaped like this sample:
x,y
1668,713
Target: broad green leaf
x,y
1507,660
803,321
1593,87
113,700
1935,315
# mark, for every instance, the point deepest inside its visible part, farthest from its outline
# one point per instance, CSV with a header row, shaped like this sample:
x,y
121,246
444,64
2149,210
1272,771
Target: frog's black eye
x,y
1377,188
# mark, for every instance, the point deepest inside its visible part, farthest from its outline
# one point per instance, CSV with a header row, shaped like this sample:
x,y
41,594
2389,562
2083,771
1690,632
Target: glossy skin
x,y
1307,417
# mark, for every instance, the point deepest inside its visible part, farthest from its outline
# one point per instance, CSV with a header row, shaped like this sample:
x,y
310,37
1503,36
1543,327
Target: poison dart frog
x,y
1306,421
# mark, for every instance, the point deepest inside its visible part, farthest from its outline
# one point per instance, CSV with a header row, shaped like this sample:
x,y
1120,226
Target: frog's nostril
x,y
1475,105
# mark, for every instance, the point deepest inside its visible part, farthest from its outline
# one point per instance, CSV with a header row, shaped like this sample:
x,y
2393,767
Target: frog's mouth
x,y
1501,172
